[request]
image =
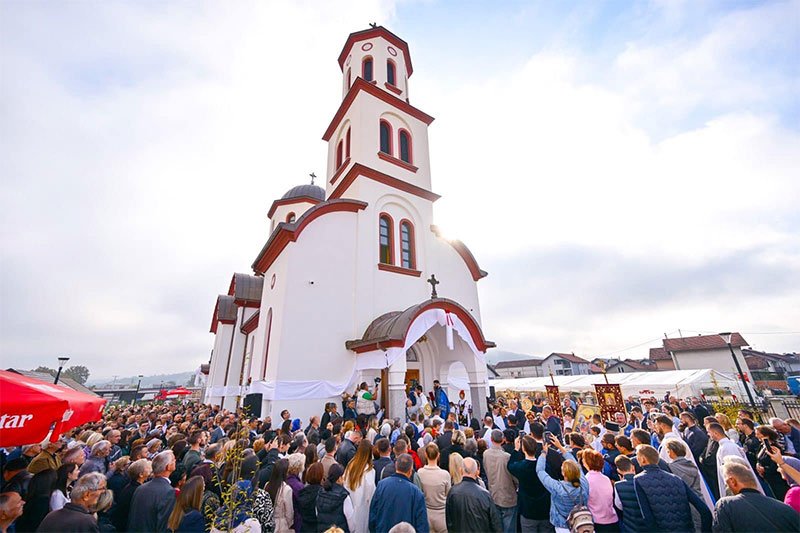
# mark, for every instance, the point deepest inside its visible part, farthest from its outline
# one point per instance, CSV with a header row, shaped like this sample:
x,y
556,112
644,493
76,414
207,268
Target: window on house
x,y
366,69
390,72
385,240
405,146
386,137
406,244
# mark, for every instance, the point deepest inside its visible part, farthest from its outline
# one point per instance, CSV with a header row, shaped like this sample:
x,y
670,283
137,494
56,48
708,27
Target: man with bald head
x,y
790,434
469,506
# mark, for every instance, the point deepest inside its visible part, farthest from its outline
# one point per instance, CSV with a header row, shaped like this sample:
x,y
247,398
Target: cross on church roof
x,y
434,282
373,24
313,177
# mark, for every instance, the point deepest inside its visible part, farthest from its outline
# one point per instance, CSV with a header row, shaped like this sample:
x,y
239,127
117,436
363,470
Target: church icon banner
x,y
609,398
554,399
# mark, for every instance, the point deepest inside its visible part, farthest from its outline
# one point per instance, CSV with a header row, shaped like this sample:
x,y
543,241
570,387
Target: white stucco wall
x,y
717,359
379,51
219,360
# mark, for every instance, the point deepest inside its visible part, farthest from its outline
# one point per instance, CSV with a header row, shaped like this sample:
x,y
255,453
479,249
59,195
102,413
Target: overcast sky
x,y
622,170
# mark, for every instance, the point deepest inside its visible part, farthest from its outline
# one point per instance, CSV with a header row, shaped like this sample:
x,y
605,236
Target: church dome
x,y
305,191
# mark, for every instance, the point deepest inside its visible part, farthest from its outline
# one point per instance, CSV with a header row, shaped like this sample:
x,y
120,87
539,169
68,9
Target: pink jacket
x,y
601,498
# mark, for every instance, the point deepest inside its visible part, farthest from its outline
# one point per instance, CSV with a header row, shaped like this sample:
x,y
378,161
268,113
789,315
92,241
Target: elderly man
x,y
152,503
11,505
551,422
469,506
397,500
47,458
748,509
97,459
114,437
78,514
790,434
347,449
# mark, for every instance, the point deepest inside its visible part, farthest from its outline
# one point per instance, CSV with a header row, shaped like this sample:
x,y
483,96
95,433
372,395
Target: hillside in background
x,y
179,378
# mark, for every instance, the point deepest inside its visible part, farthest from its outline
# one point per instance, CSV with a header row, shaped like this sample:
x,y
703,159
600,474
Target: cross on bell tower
x,y
434,282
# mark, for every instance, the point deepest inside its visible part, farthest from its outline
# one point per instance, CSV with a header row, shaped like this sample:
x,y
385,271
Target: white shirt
x,y
729,448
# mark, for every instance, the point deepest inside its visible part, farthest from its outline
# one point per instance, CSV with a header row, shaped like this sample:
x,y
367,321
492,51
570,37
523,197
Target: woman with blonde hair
x,y
186,515
730,431
456,468
566,494
297,463
359,480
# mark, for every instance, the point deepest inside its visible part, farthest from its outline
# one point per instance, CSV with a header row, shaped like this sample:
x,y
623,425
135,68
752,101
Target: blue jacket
x,y
442,402
192,522
665,498
632,519
396,500
563,496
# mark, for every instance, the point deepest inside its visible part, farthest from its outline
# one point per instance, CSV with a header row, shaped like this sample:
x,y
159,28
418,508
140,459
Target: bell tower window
x,y
347,144
390,72
339,154
366,69
290,218
405,146
349,77
407,259
386,137
385,239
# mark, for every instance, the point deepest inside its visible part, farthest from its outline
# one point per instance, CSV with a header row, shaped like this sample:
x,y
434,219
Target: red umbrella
x,y
30,407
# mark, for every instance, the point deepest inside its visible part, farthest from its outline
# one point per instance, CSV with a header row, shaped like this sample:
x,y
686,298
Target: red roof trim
x,y
361,170
361,85
285,233
251,324
371,33
466,255
399,162
289,201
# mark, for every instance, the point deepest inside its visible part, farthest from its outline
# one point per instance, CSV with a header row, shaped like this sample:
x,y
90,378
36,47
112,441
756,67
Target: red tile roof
x,y
702,342
571,357
659,354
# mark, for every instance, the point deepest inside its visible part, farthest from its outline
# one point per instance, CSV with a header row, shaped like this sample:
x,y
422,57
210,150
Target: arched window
x,y
349,77
385,240
366,69
407,259
386,137
347,144
339,154
266,345
390,72
291,217
405,146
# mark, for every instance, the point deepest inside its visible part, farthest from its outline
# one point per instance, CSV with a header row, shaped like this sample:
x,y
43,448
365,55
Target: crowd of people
x,y
670,465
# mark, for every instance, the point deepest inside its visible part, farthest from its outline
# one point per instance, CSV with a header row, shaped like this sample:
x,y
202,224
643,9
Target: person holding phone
x,y
790,470
767,468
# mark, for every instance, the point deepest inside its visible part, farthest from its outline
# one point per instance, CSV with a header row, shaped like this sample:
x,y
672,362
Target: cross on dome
x,y
434,282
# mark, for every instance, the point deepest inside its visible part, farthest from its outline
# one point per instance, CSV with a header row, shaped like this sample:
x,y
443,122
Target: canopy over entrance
x,y
30,407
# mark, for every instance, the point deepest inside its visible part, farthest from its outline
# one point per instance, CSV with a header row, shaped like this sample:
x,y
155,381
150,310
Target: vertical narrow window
x,y
386,137
349,77
385,240
390,72
266,345
347,144
407,245
405,146
339,154
366,69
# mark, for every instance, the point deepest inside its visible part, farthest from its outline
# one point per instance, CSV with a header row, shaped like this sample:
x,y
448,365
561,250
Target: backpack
x,y
580,518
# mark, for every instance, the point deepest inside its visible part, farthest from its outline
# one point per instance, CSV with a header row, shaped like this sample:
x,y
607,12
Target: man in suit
x,y
443,440
152,502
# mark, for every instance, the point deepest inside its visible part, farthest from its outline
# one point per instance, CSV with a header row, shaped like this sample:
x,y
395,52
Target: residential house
x,y
661,358
770,370
631,365
523,368
565,364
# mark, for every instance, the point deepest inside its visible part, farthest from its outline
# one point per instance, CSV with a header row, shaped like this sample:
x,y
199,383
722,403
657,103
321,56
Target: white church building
x,y
343,290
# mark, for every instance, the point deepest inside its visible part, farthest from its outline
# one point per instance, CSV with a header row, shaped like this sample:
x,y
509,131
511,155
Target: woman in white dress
x,y
359,480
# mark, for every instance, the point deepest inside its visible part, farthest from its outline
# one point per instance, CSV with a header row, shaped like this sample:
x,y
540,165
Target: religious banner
x,y
554,400
609,398
583,416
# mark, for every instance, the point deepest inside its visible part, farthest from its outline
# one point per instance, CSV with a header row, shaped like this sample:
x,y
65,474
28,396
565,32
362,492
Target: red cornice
x,y
285,233
361,85
371,33
399,270
361,170
289,201
251,324
393,88
248,303
340,170
399,162
465,254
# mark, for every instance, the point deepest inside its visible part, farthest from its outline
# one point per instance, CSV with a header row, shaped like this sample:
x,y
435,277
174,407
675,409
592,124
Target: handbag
x,y
580,518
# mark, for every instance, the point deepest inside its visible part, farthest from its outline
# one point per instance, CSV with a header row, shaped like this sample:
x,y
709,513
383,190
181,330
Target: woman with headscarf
x,y
359,480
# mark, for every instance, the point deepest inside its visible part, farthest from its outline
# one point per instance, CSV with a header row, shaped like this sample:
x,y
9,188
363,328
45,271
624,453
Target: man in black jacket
x,y
532,498
748,509
78,514
152,503
347,449
695,437
469,506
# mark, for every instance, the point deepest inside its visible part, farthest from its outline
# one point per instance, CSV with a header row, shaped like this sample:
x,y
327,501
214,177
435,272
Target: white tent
x,y
680,383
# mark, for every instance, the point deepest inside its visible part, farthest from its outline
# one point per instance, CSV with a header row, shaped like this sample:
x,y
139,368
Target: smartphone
x,y
767,445
548,435
522,434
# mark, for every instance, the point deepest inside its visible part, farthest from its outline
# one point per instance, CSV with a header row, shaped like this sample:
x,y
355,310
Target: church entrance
x,y
412,378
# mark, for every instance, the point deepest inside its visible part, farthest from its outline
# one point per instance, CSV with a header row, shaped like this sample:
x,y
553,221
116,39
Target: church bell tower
x,y
376,133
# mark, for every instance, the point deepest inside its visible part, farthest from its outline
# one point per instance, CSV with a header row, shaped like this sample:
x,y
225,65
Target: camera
x,y
377,380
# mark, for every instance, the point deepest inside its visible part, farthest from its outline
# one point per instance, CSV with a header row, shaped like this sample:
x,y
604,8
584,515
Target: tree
x,y
77,372
45,370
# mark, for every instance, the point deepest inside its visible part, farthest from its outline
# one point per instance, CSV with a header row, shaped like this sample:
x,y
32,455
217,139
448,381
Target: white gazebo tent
x,y
680,383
